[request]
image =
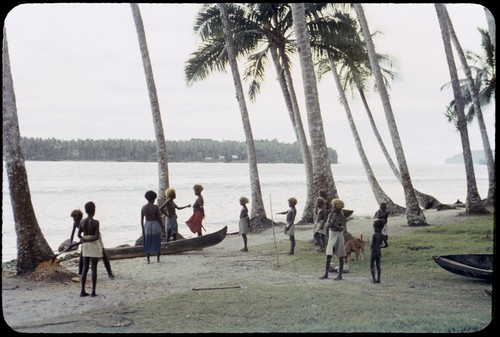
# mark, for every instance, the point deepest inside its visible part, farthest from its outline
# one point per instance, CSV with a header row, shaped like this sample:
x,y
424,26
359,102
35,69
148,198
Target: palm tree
x,y
262,29
32,248
476,93
355,67
414,215
161,145
473,204
339,47
322,173
274,23
258,211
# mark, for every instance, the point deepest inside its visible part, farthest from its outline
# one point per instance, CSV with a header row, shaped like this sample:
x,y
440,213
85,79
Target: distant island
x,y
193,150
478,157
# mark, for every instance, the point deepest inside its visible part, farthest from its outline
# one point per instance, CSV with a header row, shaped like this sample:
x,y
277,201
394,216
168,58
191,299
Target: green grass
x,y
416,294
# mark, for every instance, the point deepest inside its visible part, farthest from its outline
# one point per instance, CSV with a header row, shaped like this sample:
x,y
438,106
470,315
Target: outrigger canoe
x,y
471,265
171,247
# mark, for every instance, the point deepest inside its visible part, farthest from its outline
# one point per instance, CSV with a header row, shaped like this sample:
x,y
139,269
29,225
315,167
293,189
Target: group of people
x,y
151,221
335,222
244,223
329,231
152,230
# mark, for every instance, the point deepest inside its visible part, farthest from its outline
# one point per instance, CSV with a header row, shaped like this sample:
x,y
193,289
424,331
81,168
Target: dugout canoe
x,y
478,266
171,247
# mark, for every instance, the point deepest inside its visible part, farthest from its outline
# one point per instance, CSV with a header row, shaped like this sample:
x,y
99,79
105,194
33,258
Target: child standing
x,y
383,214
375,249
244,222
195,222
171,225
77,216
91,248
151,226
320,228
336,226
290,223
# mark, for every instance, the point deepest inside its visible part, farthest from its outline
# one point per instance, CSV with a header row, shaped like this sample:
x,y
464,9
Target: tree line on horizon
x,y
193,150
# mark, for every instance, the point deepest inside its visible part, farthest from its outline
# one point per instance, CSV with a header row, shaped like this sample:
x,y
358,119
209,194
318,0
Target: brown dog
x,y
356,245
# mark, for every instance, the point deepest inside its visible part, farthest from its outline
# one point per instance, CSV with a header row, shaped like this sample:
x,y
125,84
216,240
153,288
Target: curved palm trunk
x,y
473,204
161,145
425,201
287,87
32,248
322,172
490,162
414,215
379,194
258,213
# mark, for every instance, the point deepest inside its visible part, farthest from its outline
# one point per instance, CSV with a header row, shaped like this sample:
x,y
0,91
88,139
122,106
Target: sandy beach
x,y
26,302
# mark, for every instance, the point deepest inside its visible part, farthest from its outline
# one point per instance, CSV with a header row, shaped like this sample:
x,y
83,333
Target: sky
x,y
78,74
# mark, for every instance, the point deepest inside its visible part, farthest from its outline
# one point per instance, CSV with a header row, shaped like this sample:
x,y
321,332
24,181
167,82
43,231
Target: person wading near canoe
x,y
290,223
244,222
91,247
151,226
336,224
168,208
195,221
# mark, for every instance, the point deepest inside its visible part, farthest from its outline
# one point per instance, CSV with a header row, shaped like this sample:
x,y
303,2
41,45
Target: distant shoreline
x,y
133,150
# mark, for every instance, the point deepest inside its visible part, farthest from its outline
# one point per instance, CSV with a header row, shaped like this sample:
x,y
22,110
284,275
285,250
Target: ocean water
x,y
117,188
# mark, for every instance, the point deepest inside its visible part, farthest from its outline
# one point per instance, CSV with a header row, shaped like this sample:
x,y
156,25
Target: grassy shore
x,y
270,292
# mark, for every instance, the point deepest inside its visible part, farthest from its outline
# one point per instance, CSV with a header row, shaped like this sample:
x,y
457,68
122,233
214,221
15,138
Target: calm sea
x,y
118,188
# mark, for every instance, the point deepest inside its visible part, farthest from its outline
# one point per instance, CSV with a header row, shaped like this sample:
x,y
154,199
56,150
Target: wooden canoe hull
x,y
171,247
471,265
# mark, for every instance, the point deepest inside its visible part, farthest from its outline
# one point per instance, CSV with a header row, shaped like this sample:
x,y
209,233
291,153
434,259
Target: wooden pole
x,y
274,234
216,288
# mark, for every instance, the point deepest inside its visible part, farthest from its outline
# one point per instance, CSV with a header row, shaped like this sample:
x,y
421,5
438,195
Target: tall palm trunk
x,y
32,248
161,145
473,204
414,215
287,87
426,201
258,213
322,172
490,162
379,194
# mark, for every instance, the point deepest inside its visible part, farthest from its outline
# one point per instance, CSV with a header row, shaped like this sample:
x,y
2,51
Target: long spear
x,y
274,234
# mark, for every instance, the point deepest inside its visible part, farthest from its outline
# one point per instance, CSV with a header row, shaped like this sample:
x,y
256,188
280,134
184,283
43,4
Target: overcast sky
x,y
78,74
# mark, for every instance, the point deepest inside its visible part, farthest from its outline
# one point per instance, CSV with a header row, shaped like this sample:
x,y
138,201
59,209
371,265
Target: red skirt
x,y
194,222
